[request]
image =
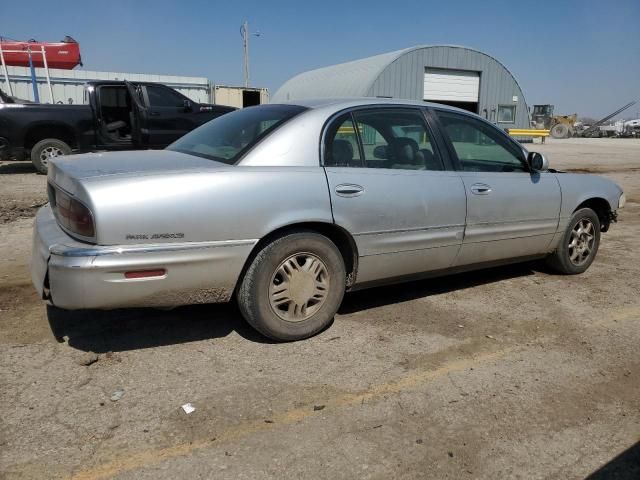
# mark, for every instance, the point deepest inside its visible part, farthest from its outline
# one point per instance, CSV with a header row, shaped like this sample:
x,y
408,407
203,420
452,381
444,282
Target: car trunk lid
x,y
67,171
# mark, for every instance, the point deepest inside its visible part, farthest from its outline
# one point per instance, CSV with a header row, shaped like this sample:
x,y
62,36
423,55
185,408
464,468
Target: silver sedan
x,y
284,207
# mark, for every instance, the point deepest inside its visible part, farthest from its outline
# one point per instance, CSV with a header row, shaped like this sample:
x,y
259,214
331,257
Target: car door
x,y
111,104
511,211
139,116
169,115
389,188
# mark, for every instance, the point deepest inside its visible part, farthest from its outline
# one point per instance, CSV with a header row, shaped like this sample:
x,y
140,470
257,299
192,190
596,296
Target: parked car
x,y
284,207
116,116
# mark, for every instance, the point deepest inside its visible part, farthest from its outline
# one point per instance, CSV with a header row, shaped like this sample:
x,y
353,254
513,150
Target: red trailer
x,y
64,54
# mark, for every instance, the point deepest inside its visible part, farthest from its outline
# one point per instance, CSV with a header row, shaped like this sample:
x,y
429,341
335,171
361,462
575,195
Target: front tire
x,y
45,150
293,287
560,130
579,244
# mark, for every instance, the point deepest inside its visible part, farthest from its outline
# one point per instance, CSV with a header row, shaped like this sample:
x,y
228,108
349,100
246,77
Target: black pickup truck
x,y
116,115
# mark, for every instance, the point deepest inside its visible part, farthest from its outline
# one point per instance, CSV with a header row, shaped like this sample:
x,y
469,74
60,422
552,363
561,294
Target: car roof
x,y
340,103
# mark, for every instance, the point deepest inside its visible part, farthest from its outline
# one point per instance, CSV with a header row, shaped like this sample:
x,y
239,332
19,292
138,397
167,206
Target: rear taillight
x,y
71,214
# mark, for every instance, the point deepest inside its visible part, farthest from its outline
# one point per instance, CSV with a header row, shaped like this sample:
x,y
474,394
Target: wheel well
x,y
602,209
339,236
40,132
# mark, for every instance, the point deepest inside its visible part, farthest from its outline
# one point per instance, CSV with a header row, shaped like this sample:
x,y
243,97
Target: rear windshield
x,y
226,138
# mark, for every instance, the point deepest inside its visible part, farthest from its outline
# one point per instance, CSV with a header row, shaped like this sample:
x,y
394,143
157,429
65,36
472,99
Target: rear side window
x,y
385,138
341,148
112,96
226,138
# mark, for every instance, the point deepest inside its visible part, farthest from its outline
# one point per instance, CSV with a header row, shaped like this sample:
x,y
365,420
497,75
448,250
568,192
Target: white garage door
x,y
451,85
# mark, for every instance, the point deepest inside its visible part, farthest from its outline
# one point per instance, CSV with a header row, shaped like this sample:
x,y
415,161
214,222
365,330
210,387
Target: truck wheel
x,y
560,130
45,150
293,287
579,244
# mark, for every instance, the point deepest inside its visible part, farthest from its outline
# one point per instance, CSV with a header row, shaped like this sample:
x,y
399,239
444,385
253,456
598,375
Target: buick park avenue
x,y
283,208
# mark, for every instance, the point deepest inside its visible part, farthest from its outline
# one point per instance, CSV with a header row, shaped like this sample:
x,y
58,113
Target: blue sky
x,y
583,56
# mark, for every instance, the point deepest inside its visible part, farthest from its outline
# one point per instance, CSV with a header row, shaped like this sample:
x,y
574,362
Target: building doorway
x,y
456,88
250,98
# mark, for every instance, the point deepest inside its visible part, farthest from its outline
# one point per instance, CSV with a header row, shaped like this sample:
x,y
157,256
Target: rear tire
x,y
293,287
579,244
45,150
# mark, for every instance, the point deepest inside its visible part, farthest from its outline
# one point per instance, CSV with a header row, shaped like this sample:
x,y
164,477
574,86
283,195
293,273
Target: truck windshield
x,y
226,138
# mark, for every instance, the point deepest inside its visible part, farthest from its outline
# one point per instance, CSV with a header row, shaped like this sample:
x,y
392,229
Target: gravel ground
x,y
505,373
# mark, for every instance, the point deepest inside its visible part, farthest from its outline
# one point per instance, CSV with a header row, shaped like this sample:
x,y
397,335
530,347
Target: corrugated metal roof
x,y
350,79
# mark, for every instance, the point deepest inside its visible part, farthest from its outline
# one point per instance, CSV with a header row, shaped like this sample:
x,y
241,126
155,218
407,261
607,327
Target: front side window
x,y
479,147
506,113
163,97
388,138
227,137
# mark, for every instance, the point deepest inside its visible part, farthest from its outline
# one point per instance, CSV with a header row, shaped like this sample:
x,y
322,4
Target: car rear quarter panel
x,y
297,142
234,203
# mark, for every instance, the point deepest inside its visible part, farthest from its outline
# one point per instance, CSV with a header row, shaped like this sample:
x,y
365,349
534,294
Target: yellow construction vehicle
x,y
564,126
559,126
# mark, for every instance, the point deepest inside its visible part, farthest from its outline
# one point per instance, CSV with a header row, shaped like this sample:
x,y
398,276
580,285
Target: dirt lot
x,y
506,373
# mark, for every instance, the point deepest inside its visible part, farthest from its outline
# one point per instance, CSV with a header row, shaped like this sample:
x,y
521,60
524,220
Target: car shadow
x,y
625,466
404,292
15,167
102,331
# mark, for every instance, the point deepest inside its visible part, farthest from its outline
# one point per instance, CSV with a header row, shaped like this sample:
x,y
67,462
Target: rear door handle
x,y
154,114
480,189
349,190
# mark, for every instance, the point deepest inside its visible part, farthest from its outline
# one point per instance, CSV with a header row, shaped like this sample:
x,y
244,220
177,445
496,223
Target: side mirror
x,y
187,106
380,152
538,162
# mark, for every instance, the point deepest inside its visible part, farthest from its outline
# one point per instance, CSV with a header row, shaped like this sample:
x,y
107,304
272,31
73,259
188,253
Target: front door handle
x,y
480,189
154,114
349,190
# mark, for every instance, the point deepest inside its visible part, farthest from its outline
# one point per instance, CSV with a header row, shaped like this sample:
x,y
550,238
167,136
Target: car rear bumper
x,y
74,275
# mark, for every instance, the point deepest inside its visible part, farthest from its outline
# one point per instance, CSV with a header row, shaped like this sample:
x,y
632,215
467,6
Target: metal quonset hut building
x,y
457,76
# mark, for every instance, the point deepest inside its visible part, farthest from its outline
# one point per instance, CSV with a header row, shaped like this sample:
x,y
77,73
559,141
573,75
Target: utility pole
x,y
244,32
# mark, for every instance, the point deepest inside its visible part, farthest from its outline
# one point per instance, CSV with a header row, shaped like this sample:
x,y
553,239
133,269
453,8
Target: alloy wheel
x,y
48,153
581,242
